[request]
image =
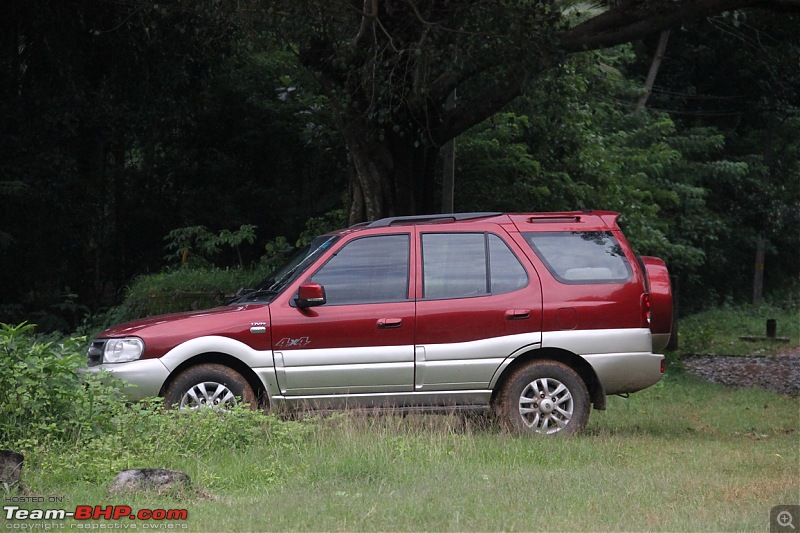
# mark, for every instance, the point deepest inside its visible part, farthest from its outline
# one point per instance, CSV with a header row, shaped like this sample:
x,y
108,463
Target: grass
x,y
684,455
719,331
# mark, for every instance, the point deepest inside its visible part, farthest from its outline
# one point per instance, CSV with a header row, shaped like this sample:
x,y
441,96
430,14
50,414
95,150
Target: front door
x,y
362,339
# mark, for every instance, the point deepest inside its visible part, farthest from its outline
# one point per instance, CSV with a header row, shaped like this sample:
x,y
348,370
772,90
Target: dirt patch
x,y
780,373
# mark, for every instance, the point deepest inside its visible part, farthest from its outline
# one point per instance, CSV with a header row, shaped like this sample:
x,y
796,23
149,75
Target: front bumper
x,y
144,378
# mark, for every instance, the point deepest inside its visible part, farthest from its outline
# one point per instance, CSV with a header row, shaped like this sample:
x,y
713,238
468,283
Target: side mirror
x,y
310,295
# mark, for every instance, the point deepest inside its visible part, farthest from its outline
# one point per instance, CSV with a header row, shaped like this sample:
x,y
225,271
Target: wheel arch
x,y
226,360
597,393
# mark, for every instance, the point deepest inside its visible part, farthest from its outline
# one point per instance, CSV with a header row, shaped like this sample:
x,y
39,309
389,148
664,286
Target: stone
x,y
144,479
10,469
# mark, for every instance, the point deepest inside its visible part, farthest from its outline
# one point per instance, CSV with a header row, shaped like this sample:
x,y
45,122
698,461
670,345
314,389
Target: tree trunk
x,y
390,177
654,66
758,278
370,170
449,165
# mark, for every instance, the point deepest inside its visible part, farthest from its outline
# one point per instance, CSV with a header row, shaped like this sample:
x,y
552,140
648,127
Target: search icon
x,y
785,519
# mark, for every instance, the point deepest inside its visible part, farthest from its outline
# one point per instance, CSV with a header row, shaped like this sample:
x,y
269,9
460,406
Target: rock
x,y
144,479
10,469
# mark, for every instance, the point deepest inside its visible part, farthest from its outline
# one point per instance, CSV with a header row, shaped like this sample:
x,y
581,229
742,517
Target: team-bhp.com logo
x,y
95,512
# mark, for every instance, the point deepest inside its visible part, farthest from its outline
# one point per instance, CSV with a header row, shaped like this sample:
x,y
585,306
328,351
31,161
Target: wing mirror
x,y
310,295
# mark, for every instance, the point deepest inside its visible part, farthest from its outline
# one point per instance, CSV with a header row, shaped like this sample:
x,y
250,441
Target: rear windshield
x,y
580,257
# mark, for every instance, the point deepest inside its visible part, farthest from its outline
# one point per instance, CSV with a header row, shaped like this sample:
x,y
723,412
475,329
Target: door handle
x,y
518,314
389,323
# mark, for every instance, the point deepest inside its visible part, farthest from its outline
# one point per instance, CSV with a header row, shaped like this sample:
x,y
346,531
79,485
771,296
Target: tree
x,y
389,66
739,78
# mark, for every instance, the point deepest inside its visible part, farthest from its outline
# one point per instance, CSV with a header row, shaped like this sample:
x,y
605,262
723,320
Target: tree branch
x,y
477,109
632,21
366,18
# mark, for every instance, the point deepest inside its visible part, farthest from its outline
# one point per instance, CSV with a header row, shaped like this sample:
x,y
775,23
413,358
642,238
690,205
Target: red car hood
x,y
131,328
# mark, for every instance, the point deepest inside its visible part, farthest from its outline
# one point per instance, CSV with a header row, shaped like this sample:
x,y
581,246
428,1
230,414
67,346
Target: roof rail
x,y
455,217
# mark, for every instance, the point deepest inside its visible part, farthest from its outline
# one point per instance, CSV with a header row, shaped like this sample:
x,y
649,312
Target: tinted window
x,y
581,257
507,273
370,269
459,265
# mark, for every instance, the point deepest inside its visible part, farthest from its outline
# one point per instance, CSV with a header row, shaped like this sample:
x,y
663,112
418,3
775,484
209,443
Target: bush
x,y
182,289
42,395
77,426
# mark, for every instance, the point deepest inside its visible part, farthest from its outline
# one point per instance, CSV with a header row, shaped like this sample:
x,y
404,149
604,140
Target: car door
x,y
361,339
478,305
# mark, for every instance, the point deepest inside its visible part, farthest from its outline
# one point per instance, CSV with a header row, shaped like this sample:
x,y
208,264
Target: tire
x,y
544,397
209,385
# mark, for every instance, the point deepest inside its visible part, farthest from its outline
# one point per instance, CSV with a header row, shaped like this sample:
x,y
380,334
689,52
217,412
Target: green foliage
x,y
316,226
43,398
576,141
196,245
494,157
183,289
194,287
155,126
697,336
752,179
76,425
146,432
584,151
719,330
788,297
276,252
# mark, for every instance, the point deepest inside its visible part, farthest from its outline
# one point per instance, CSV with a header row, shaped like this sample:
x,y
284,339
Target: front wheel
x,y
209,385
545,397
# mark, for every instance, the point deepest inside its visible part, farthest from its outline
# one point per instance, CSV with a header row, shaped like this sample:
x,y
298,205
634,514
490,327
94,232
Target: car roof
x,y
545,221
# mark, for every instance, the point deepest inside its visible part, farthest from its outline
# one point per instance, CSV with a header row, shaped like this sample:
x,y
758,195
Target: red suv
x,y
535,316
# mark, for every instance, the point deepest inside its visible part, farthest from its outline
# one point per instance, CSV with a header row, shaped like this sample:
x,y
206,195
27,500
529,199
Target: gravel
x,y
780,373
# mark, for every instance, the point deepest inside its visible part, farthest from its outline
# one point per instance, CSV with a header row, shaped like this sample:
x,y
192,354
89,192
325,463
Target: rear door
x,y
478,304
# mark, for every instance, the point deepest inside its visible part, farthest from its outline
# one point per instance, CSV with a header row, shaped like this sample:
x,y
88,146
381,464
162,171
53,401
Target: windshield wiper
x,y
249,295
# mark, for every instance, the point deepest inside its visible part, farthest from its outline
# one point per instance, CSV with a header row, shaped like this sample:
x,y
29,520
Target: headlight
x,y
123,350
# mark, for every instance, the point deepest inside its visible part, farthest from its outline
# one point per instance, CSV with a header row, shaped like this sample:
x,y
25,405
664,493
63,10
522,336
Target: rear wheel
x,y
209,385
544,397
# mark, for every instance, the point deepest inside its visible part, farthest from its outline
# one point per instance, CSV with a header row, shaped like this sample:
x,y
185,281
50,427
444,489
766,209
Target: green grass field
x,y
684,455
681,456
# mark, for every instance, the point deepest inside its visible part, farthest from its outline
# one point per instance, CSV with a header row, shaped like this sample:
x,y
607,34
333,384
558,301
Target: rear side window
x,y
581,257
461,265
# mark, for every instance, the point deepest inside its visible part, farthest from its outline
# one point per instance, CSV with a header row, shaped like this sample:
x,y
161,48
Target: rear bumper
x,y
626,372
144,378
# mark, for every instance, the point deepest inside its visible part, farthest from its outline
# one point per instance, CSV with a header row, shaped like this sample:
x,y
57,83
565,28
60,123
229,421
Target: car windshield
x,y
282,276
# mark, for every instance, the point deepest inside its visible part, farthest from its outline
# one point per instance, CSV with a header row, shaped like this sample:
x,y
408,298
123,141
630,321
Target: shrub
x,y
183,289
76,426
42,395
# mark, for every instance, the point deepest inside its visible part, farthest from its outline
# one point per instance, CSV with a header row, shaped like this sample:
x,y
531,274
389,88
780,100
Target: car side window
x,y
581,257
460,265
367,270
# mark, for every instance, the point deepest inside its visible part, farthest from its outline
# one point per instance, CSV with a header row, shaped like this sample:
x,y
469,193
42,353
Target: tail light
x,y
646,309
